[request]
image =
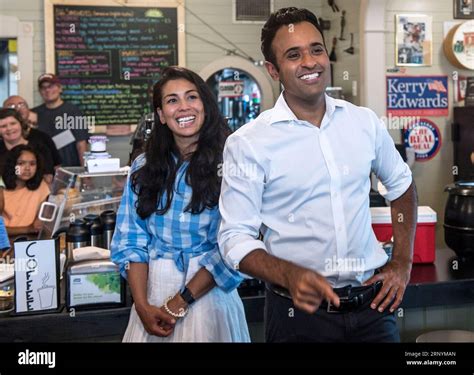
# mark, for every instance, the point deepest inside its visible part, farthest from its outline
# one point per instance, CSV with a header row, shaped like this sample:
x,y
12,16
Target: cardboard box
x,y
425,238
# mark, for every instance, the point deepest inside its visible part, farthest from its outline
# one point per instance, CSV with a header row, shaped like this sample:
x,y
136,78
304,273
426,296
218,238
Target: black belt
x,y
350,298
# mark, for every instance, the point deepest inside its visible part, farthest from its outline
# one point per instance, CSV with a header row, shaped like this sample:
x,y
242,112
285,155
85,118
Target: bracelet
x,y
182,313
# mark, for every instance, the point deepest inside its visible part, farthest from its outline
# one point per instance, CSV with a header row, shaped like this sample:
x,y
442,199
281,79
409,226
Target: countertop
x,y
446,282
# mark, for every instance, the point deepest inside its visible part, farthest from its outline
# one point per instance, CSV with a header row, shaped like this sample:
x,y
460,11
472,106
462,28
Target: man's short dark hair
x,y
284,17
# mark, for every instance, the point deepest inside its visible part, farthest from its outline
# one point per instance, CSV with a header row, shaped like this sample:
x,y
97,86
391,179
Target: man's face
x,y
50,92
303,65
18,104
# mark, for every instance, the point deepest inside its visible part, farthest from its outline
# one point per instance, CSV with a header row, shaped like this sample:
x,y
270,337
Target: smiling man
x,y
328,279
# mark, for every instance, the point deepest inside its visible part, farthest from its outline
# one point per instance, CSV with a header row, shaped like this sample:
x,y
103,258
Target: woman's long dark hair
x,y
9,173
163,159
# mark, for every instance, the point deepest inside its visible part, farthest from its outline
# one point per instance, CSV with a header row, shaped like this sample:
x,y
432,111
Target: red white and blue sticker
x,y
424,137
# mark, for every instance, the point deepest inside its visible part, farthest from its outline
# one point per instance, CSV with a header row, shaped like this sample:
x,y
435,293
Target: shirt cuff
x,y
224,277
396,193
240,251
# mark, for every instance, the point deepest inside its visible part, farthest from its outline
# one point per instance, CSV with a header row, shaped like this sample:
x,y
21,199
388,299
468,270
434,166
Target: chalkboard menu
x,y
108,57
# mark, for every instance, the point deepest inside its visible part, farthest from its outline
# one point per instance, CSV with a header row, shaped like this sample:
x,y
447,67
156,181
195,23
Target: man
x,y
21,106
61,120
299,173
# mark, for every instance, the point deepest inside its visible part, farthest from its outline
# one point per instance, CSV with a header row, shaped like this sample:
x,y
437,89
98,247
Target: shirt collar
x,y
281,112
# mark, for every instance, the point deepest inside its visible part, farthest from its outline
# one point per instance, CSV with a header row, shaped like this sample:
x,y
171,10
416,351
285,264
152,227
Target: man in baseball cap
x,y
61,121
48,77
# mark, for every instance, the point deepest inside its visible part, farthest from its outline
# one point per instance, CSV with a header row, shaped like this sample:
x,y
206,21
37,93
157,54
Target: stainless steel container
x,y
96,229
77,235
108,219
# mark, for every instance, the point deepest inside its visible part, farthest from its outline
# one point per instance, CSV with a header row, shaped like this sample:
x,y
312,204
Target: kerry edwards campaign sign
x,y
417,95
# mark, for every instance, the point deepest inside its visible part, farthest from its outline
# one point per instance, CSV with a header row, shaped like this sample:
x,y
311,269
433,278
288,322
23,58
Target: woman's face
x,y
182,109
26,166
10,129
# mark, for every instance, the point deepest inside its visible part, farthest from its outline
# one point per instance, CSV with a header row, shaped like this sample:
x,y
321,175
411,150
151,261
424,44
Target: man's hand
x,y
395,276
155,320
309,289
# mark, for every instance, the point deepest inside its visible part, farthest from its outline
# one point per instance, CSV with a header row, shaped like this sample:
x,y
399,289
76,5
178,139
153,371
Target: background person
x,y
71,141
14,131
25,190
21,106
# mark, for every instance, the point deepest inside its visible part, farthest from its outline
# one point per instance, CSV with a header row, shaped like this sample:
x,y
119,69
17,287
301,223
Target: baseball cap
x,y
48,77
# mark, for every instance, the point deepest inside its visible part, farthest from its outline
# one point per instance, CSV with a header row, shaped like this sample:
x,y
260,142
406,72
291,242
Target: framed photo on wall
x,y
463,9
413,40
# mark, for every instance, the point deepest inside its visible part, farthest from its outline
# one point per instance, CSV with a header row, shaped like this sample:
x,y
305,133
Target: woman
x,y
165,240
14,131
25,190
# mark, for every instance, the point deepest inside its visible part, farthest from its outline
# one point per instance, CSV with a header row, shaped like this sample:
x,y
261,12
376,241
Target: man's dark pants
x,y
286,323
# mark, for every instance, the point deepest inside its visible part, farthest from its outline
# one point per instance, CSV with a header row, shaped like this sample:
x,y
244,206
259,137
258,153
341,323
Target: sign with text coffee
x,y
36,276
417,95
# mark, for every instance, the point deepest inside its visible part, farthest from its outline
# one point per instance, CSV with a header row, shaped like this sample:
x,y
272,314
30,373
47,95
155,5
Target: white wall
x,y
346,68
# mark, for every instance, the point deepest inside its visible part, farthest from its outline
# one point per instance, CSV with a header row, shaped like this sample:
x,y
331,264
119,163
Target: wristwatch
x,y
187,296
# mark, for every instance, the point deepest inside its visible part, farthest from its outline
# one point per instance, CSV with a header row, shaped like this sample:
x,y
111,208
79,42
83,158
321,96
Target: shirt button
x,y
339,228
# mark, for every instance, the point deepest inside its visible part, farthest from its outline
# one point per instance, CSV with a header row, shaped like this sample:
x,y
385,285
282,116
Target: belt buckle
x,y
342,300
337,310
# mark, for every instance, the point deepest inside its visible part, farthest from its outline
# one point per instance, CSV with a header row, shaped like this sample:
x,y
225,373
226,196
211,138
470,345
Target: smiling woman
x,y
15,131
165,240
183,112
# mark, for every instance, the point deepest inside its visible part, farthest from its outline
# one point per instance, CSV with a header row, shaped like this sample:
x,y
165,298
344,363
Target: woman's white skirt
x,y
216,317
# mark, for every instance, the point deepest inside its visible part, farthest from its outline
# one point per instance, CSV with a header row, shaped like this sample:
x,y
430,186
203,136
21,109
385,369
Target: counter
x,y
443,283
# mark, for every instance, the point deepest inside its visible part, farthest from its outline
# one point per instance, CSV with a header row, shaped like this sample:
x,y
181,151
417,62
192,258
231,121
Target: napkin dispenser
x,y
94,284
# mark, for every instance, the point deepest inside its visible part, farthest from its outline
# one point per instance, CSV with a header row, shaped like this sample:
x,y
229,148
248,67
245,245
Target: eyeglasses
x,y
18,106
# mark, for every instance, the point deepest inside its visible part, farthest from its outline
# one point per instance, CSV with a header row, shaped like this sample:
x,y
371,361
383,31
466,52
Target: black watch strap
x,y
187,296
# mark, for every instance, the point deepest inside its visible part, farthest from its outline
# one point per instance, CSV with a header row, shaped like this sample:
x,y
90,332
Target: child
x,y
25,190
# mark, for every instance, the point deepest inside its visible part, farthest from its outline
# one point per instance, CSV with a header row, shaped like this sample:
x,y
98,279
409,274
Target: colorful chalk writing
x,y
109,57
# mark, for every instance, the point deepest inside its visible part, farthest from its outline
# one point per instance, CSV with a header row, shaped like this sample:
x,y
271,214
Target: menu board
x,y
108,57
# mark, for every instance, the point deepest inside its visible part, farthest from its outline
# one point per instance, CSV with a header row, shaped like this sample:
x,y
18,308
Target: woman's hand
x,y
155,320
177,305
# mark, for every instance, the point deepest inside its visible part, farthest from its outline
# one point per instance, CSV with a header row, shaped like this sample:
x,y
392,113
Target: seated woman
x,y
165,239
14,131
25,190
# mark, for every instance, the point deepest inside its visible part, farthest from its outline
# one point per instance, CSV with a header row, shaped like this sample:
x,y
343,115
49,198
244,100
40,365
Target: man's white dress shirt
x,y
307,189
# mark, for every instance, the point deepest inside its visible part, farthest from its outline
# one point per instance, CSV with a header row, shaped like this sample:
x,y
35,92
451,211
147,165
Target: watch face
x,y
187,296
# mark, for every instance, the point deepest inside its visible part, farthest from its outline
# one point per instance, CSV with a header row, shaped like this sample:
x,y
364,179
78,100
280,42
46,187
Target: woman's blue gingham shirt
x,y
176,235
